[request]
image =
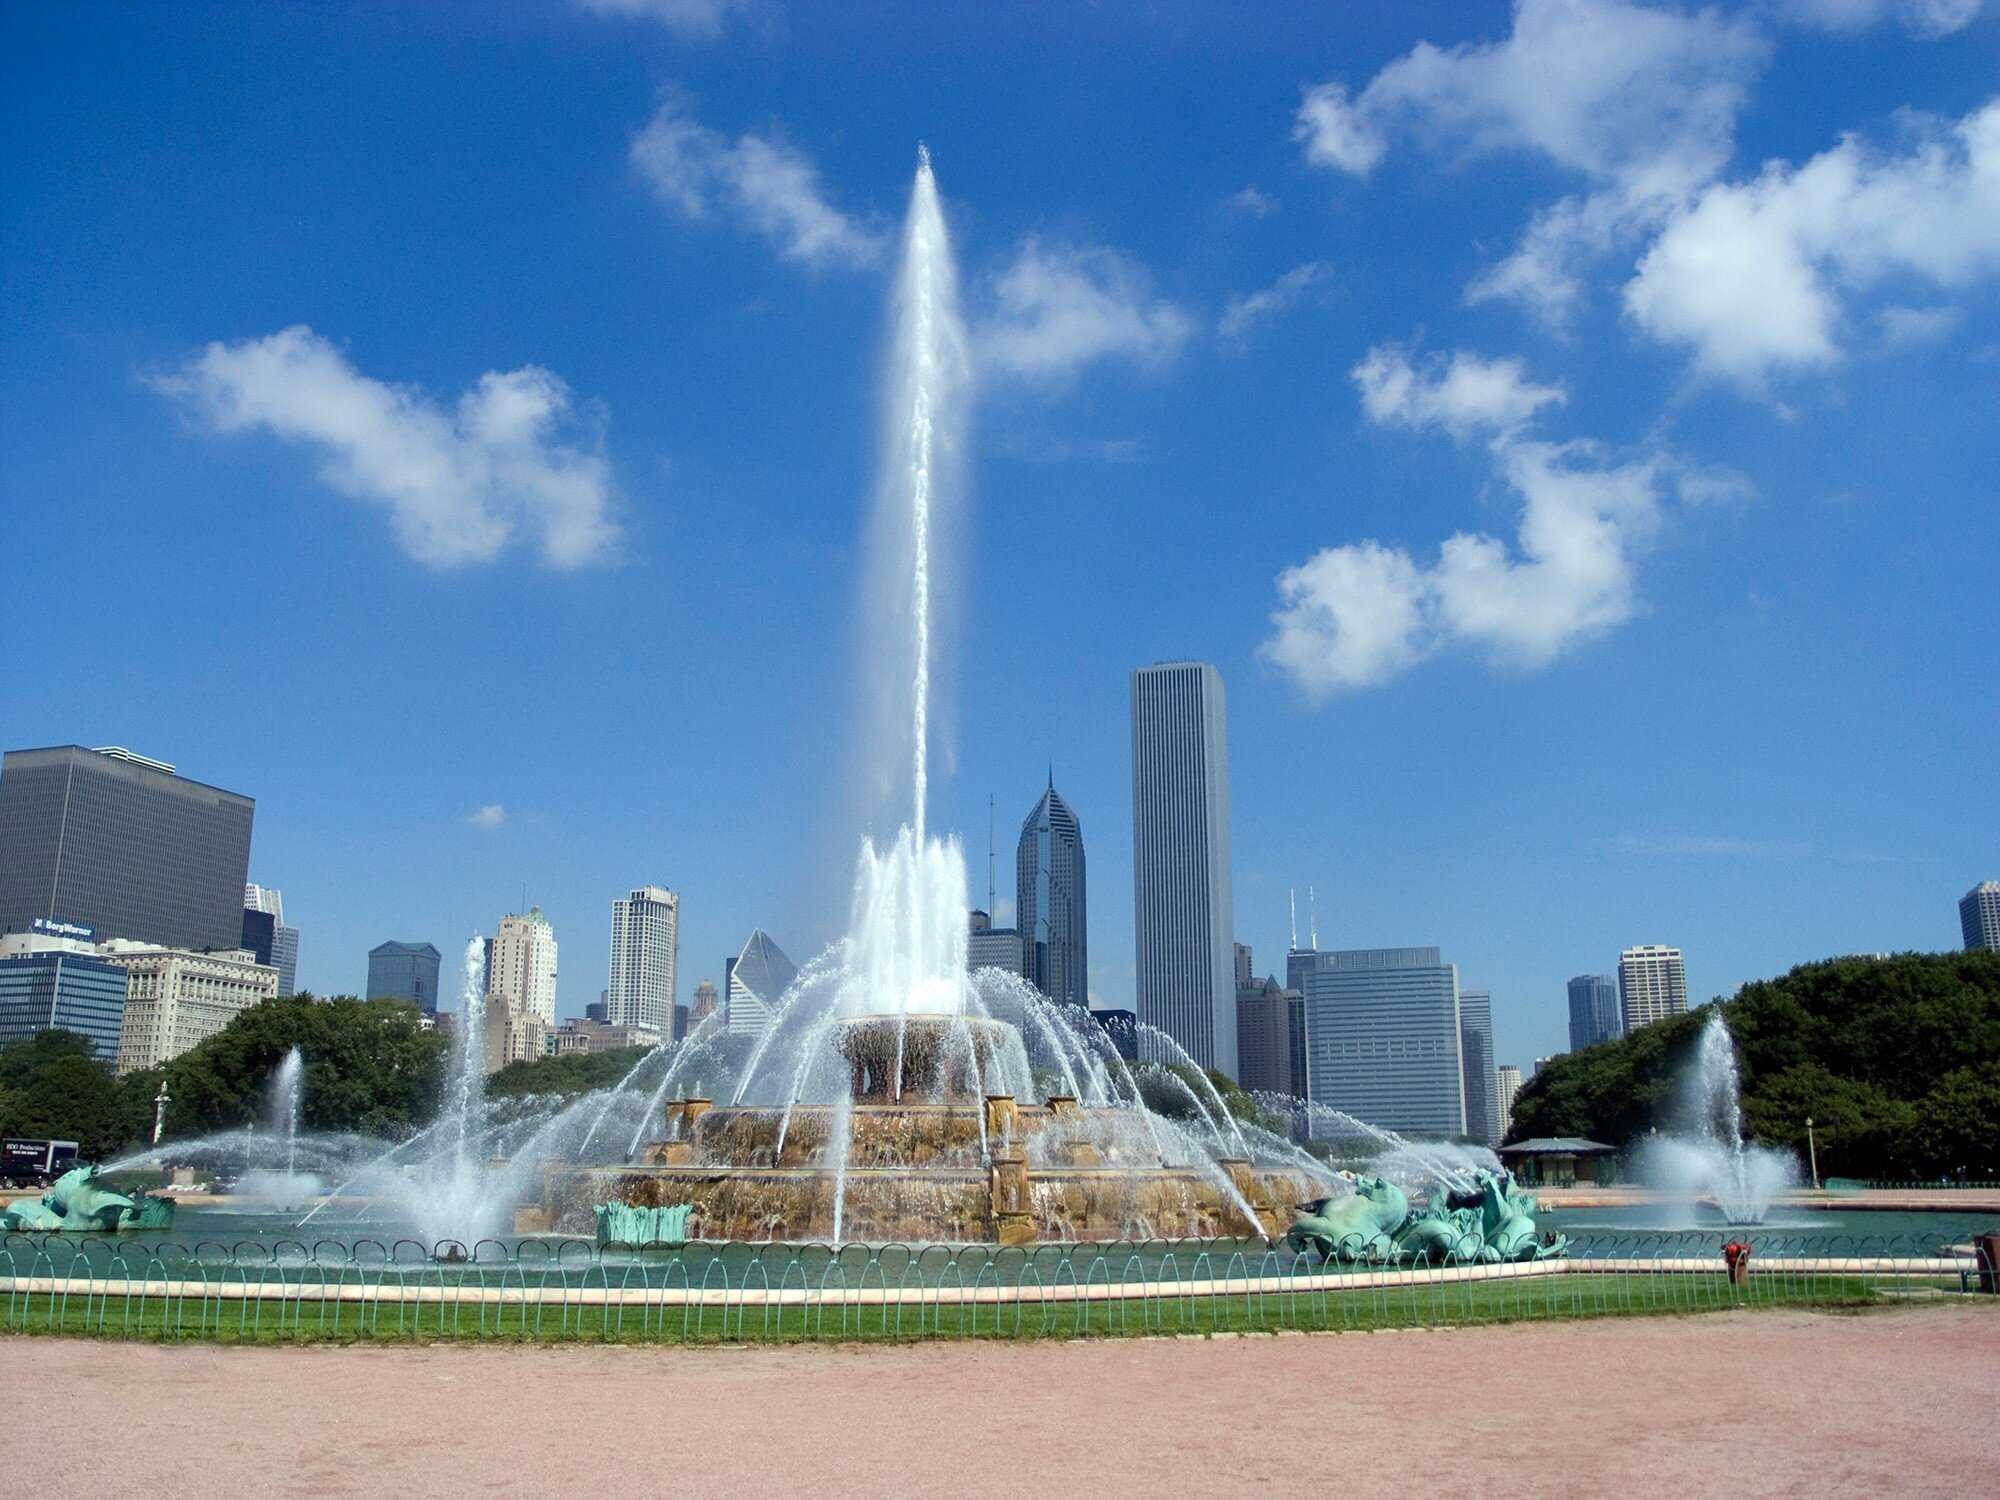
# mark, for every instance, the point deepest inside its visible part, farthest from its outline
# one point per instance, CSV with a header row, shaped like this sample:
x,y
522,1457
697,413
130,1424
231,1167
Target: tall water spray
x,y
287,1084
907,928
1710,1157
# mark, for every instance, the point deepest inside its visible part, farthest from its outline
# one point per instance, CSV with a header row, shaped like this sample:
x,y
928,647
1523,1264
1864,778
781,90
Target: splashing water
x,y
1711,1158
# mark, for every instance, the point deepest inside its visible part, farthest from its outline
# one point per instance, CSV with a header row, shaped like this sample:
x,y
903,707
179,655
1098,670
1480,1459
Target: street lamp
x,y
160,1102
1812,1151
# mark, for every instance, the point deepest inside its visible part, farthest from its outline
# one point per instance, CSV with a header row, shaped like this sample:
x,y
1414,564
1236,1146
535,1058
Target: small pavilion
x,y
1561,1161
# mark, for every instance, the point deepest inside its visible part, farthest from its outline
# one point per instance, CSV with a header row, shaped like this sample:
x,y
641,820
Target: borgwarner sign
x,y
53,928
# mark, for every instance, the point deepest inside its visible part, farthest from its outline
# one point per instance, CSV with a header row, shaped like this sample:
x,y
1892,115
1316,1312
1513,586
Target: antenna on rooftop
x,y
1312,916
989,854
1293,896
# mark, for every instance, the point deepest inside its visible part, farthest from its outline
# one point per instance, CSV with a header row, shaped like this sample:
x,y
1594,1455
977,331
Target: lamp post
x,y
1812,1151
160,1102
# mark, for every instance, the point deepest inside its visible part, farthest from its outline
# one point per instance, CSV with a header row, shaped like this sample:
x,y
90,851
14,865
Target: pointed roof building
x,y
1049,901
758,976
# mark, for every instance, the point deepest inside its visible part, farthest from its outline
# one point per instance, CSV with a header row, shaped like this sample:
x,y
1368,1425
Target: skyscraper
x,y
1271,1037
115,841
404,971
645,949
758,977
1979,916
1508,1079
1387,1041
1652,985
1475,1024
990,947
522,970
1184,918
1049,901
52,978
1594,1014
266,935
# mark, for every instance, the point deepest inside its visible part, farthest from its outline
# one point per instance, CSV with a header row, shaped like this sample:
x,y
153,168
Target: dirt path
x,y
1743,1404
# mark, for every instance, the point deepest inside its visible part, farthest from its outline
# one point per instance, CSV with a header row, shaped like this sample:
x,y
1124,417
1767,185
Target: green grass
x,y
1441,1305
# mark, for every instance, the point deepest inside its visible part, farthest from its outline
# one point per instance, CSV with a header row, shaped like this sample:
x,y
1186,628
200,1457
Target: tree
x,y
52,1087
1896,1061
370,1068
577,1073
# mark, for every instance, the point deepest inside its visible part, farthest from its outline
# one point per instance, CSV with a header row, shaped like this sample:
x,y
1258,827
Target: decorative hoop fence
x,y
541,1289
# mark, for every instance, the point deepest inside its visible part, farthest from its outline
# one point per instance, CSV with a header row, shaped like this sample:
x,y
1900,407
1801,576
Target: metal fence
x,y
703,1291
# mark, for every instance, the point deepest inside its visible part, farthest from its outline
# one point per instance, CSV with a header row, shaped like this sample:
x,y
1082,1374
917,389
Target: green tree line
x,y
1895,1060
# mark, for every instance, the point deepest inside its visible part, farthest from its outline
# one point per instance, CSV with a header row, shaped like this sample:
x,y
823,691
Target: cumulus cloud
x,y
1640,102
1245,310
1357,615
1754,277
1252,201
1059,308
487,818
1464,394
511,456
761,180
699,20
1923,18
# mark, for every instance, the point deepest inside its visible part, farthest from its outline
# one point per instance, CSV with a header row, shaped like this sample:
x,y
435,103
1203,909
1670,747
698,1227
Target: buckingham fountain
x,y
894,1095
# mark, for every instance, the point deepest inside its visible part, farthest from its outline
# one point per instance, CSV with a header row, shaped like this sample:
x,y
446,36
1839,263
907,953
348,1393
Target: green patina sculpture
x,y
75,1204
629,1224
1493,1222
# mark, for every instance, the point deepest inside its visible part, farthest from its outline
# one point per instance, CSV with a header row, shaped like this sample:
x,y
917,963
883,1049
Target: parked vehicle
x,y
31,1163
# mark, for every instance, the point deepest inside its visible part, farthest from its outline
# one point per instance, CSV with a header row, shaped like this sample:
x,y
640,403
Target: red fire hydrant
x,y
1736,1256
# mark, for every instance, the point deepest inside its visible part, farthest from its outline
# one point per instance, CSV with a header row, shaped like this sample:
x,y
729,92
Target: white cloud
x,y
1337,132
1465,394
1244,311
1638,101
696,19
458,483
1359,614
1924,18
1908,327
1754,277
767,183
1059,308
1252,201
487,818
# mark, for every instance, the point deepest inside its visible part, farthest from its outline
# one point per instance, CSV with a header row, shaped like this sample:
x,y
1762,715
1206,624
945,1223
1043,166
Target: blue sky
x,y
1571,430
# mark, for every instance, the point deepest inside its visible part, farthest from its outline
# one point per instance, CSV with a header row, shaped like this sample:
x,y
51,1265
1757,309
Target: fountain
x,y
892,1095
283,1186
1710,1159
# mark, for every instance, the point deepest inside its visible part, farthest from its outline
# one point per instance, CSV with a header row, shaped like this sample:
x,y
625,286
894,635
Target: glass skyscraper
x,y
1386,1038
70,991
404,971
1595,1014
1049,902
266,935
1184,917
120,843
1979,915
1475,1026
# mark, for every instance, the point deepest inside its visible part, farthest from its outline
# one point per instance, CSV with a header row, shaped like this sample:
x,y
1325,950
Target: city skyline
x,y
1278,404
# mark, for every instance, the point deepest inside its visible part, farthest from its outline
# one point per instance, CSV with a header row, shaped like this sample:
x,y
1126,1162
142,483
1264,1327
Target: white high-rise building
x,y
1184,915
645,951
1507,1079
522,970
1652,985
1979,915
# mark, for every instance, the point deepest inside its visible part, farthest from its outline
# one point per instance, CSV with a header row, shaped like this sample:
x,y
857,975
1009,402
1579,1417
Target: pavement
x,y
1742,1404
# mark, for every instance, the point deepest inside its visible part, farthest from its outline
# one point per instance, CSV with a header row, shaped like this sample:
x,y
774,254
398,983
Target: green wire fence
x,y
704,1291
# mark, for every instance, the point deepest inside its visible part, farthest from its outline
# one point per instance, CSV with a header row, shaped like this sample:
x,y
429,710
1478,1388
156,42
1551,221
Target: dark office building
x,y
70,991
1594,1012
1122,1026
404,971
1482,1085
1270,1037
121,844
275,944
1049,909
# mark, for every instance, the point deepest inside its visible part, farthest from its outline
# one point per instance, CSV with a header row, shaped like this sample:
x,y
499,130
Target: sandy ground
x,y
1737,1404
